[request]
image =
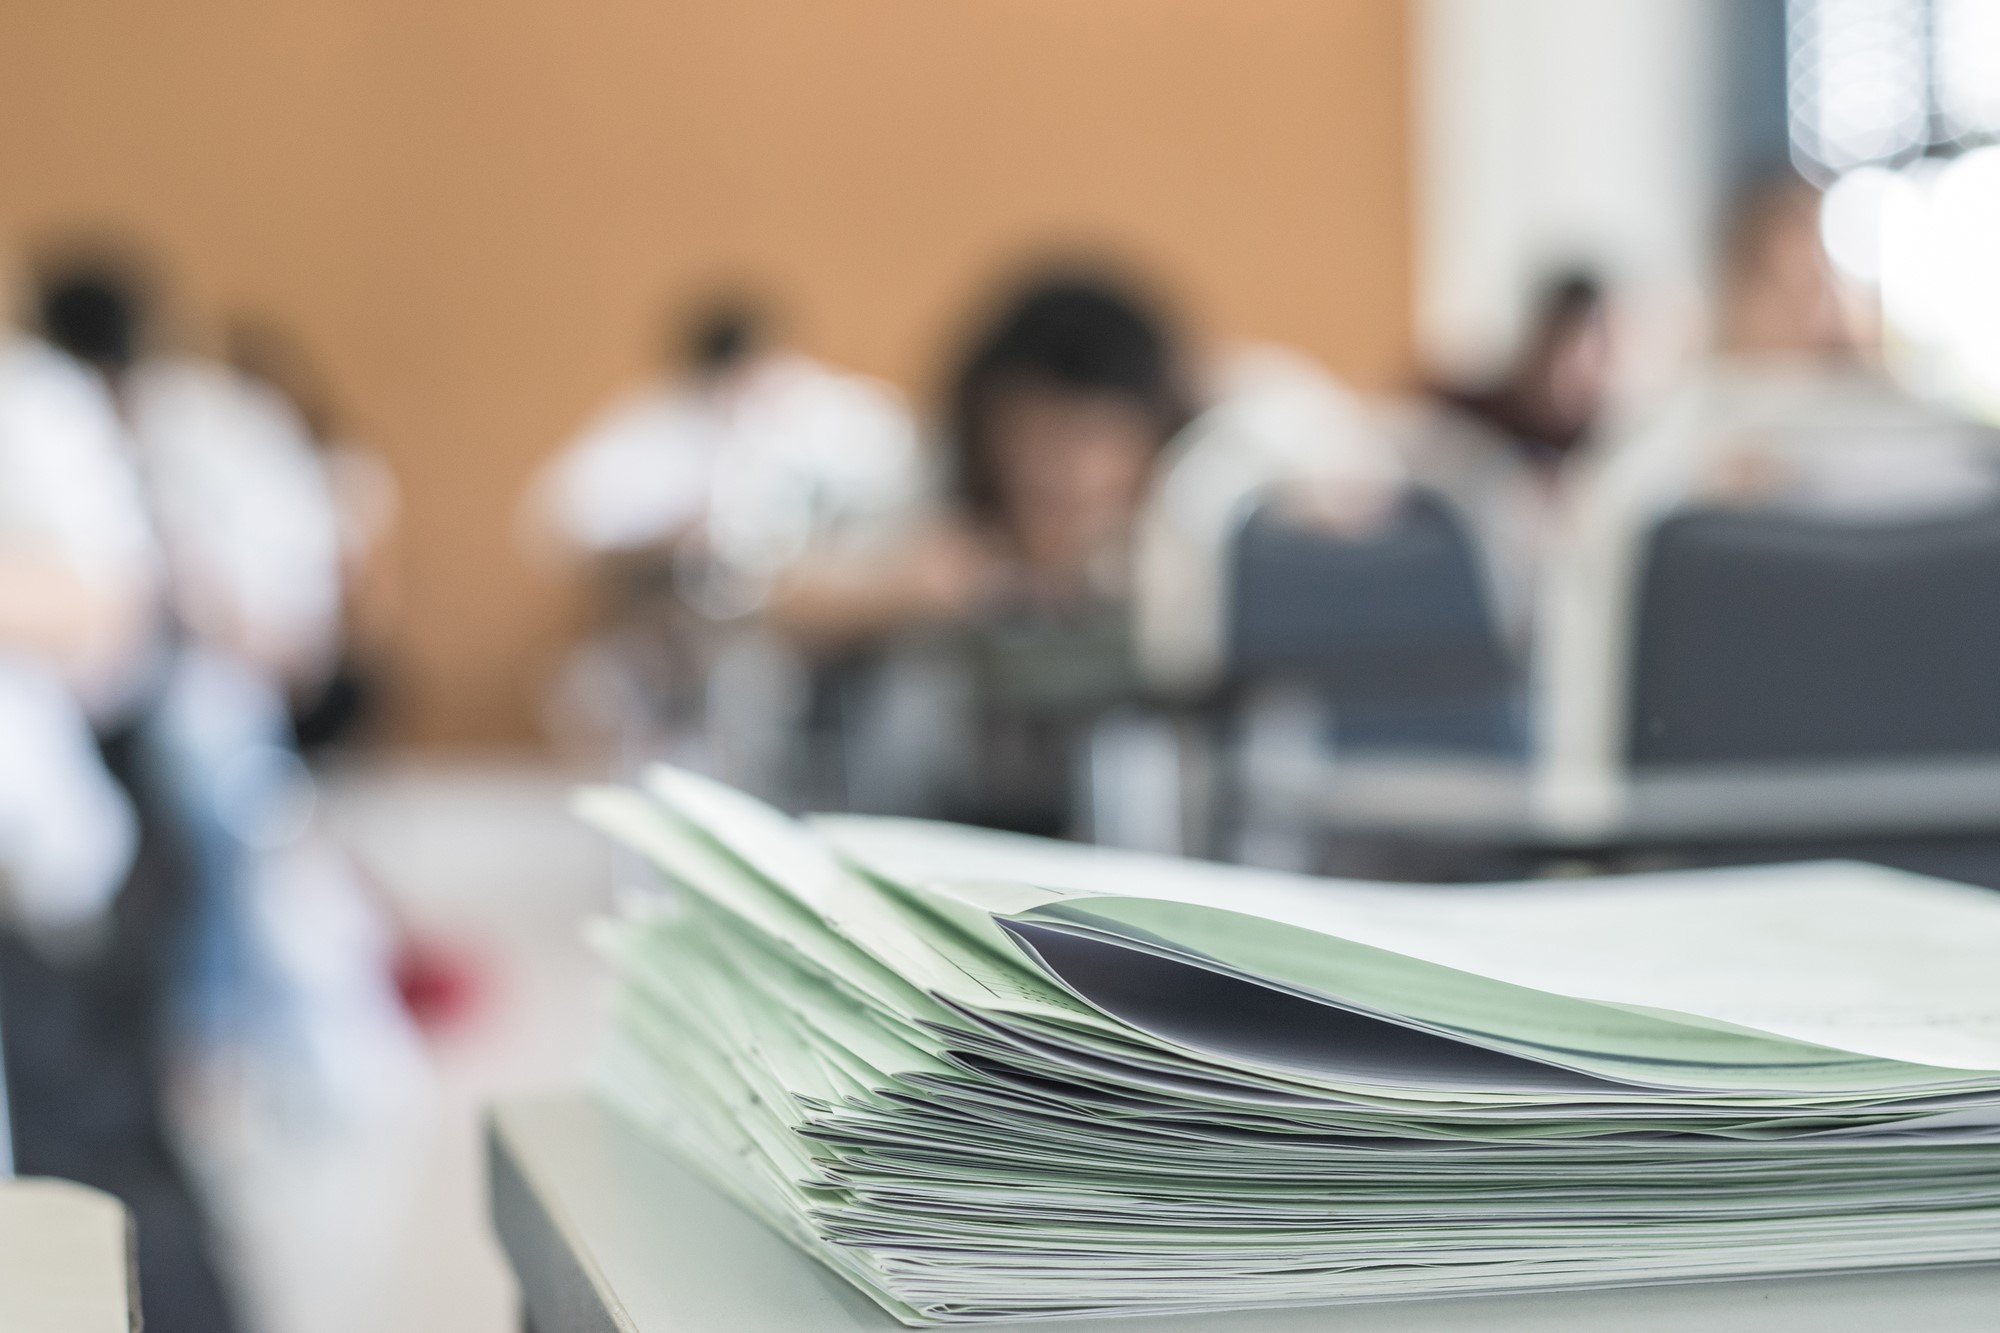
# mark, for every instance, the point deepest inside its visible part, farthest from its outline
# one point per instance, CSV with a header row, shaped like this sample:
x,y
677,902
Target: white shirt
x,y
67,494
243,504
66,833
1280,425
66,487
791,456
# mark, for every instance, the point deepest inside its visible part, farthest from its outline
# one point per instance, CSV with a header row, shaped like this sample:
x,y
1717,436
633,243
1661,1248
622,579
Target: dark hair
x,y
1569,294
95,309
722,331
1073,332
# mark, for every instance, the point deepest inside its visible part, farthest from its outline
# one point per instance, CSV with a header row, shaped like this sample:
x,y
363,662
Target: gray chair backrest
x,y
1395,626
1785,638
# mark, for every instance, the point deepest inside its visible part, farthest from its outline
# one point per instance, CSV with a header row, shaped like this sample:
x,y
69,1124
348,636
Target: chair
x,y
1365,678
1805,673
1392,631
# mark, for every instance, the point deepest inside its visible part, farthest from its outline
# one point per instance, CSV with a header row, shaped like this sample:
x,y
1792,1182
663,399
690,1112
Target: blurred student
x,y
1056,416
1498,452
1545,404
689,499
79,1015
76,587
279,1021
1790,413
249,537
1793,408
740,459
1020,576
366,503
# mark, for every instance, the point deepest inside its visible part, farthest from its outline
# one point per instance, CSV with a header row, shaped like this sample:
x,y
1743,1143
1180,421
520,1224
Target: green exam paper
x,y
989,1077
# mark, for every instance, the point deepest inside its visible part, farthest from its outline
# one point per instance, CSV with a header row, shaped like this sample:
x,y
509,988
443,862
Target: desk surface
x,y
1484,800
608,1233
65,1259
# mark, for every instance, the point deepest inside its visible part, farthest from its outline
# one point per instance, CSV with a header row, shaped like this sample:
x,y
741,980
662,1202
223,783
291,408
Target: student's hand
x,y
950,573
87,630
1352,511
943,572
1744,474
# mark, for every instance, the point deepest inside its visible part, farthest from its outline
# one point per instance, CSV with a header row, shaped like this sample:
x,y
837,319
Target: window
x,y
1895,108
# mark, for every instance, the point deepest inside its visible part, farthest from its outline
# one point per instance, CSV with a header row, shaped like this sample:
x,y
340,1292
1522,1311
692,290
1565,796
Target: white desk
x,y
1483,800
610,1234
65,1259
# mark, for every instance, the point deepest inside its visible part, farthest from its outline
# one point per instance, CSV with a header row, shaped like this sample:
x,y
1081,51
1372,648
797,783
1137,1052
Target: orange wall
x,y
474,209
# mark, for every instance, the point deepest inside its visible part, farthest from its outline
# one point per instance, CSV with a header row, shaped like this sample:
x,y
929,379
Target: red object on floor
x,y
440,988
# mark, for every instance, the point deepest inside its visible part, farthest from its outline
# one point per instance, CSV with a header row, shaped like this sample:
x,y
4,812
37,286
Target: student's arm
x,y
635,482
942,574
83,627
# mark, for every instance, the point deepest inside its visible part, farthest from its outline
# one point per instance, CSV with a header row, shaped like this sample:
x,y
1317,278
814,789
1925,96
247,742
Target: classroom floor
x,y
379,1221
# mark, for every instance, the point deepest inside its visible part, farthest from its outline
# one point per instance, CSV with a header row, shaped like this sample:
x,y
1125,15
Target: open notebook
x,y
991,1077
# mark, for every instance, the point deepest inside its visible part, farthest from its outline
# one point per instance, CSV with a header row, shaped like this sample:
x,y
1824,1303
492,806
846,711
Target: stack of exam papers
x,y
988,1077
